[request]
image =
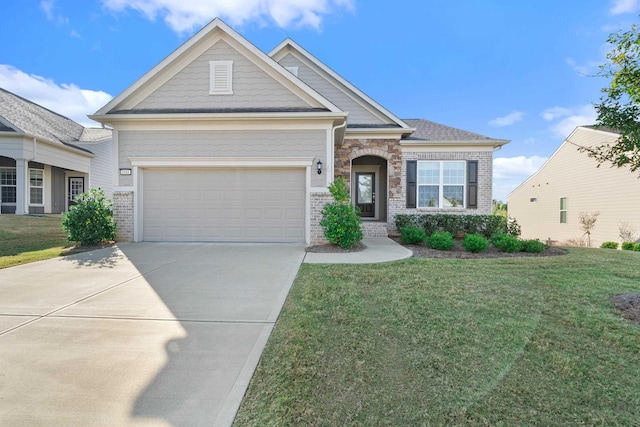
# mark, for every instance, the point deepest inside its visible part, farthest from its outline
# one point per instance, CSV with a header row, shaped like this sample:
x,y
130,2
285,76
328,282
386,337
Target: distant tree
x,y
499,208
587,222
619,107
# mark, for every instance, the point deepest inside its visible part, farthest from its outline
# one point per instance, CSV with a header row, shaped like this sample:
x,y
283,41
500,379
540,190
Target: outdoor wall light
x,y
319,166
125,171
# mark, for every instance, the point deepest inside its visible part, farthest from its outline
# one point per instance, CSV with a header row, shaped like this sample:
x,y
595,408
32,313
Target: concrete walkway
x,y
378,249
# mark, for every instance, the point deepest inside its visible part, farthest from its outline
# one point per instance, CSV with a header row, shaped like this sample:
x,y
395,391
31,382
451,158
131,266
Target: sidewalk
x,y
378,249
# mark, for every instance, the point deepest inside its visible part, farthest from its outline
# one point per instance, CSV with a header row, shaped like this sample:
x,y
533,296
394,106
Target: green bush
x,y
412,235
628,246
609,245
486,225
636,247
475,243
506,243
442,241
340,220
90,221
533,246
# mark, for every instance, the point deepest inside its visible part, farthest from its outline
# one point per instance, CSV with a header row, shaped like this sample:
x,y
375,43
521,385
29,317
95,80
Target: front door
x,y
76,187
366,194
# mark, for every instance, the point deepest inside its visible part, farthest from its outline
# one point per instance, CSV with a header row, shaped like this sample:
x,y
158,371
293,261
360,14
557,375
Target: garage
x,y
223,204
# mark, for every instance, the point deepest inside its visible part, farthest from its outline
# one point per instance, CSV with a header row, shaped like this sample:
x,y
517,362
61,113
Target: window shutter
x,y
472,184
412,178
221,73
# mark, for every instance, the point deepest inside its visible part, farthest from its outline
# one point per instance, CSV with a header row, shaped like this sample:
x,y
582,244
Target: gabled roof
x,y
196,45
341,83
571,139
426,130
20,116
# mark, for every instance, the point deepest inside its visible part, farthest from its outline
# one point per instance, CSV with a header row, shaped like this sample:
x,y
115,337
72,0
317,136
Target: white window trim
x,y
223,84
2,202
33,186
441,185
566,218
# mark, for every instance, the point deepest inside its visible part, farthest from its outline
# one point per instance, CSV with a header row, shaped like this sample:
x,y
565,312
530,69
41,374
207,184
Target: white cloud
x,y
624,6
565,120
510,172
48,7
584,70
184,16
508,120
65,99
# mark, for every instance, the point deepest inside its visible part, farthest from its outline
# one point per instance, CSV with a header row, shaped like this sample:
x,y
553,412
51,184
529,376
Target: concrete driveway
x,y
142,334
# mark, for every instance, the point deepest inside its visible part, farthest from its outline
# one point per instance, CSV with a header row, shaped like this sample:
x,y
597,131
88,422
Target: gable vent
x,y
221,77
292,70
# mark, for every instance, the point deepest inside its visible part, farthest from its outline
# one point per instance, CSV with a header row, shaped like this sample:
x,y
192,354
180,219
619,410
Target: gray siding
x,y
357,113
58,195
101,164
252,87
220,144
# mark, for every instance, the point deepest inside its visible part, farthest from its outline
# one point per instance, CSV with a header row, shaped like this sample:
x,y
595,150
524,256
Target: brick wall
x,y
397,205
123,214
318,200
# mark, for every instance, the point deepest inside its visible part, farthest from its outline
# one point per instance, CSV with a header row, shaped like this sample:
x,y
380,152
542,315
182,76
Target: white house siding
x,y
613,192
221,144
252,87
101,175
398,205
357,113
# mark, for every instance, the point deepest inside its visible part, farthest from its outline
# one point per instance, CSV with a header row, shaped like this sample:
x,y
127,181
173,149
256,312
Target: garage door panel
x,y
257,205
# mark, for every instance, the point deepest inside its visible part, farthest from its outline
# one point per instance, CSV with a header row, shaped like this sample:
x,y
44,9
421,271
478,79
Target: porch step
x,y
374,229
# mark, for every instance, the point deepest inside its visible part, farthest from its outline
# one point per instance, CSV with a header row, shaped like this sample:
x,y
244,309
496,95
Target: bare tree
x,y
587,222
627,231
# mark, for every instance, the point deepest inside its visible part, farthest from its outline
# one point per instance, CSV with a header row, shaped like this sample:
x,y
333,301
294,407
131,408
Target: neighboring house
x,y
46,159
548,204
222,142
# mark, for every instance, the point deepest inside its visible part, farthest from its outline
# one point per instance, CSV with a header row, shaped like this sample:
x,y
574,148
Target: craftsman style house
x,y
46,159
222,142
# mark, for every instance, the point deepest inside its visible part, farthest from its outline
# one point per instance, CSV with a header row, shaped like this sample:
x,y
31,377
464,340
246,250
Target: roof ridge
x,y
39,106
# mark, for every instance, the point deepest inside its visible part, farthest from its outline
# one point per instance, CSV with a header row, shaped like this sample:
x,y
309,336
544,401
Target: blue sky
x,y
516,70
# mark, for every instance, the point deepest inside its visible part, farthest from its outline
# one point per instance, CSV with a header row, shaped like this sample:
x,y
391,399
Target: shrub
x,y
486,225
628,246
533,246
442,241
636,247
475,243
412,235
90,221
609,245
506,243
340,221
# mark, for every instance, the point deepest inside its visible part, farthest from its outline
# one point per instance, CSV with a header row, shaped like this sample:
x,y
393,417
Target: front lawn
x,y
27,238
511,341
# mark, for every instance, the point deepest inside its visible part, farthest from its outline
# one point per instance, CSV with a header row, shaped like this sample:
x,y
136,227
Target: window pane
x,y
563,203
453,173
35,195
428,196
8,194
35,178
7,176
365,188
453,196
428,173
563,217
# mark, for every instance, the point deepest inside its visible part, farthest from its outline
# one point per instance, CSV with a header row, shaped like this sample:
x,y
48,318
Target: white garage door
x,y
224,205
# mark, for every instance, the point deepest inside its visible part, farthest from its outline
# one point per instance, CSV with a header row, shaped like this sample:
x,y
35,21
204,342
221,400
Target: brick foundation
x,y
123,214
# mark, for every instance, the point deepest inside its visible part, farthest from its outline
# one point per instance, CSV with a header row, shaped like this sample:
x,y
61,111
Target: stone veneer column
x,y
123,214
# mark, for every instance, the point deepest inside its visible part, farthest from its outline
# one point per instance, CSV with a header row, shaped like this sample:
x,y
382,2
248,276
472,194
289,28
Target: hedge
x,y
485,225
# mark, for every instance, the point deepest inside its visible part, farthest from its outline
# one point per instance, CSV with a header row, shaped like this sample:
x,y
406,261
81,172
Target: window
x,y
76,187
8,185
36,186
533,200
220,77
563,210
441,184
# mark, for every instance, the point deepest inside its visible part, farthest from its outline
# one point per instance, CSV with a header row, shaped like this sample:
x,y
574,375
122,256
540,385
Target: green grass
x,y
27,238
512,341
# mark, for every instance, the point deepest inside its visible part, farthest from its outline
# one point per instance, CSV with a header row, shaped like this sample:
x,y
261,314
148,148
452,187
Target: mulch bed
x,y
335,249
629,306
422,251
